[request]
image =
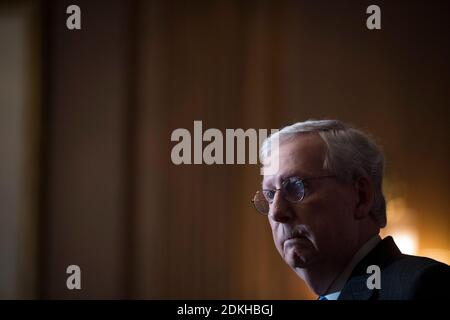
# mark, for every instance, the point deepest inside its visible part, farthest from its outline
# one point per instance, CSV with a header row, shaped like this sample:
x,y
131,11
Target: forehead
x,y
302,155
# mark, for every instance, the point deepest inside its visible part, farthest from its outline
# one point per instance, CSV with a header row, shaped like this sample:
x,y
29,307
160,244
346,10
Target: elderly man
x,y
325,206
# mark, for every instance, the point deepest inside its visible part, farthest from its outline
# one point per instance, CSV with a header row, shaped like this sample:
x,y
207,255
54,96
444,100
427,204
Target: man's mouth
x,y
295,237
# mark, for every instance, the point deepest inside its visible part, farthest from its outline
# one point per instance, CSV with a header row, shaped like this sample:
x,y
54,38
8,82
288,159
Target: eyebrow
x,y
268,183
294,173
284,177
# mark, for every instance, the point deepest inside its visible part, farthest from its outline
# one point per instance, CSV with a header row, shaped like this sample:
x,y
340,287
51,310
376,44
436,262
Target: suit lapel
x,y
382,255
356,289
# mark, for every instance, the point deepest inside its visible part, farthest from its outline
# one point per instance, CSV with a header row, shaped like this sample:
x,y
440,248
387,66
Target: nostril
x,y
280,218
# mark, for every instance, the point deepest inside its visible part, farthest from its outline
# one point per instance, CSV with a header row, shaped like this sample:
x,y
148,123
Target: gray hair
x,y
350,153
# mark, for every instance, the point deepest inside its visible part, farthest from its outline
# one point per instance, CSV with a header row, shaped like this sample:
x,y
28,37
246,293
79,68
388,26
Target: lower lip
x,y
296,240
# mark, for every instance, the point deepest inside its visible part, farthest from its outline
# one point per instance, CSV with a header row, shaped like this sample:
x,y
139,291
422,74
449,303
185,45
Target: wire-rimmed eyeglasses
x,y
292,189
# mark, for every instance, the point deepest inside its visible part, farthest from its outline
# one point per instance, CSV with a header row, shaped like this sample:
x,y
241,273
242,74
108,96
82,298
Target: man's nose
x,y
280,210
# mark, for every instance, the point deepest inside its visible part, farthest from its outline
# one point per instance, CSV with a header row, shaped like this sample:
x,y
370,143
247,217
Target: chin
x,y
298,257
297,261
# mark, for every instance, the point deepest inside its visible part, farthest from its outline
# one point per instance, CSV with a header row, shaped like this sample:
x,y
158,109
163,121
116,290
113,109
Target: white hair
x,y
350,153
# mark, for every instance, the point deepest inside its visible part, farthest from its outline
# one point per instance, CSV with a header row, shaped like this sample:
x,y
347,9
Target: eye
x,y
294,186
295,189
269,195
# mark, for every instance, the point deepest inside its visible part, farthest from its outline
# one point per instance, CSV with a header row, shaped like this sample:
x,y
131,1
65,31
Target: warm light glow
x,y
406,241
401,226
438,254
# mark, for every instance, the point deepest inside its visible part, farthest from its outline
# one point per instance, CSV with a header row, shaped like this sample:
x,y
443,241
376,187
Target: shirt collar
x,y
343,277
333,296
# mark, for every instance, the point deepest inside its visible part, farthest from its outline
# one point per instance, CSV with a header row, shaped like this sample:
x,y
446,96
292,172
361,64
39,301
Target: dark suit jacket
x,y
403,277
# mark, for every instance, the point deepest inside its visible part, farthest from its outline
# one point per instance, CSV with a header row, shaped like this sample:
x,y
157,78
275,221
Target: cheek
x,y
275,235
325,220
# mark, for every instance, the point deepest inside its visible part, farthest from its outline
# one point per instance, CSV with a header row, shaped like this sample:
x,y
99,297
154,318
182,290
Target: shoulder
x,y
413,266
414,277
402,277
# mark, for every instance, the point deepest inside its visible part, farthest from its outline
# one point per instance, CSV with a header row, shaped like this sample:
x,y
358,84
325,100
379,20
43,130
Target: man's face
x,y
321,228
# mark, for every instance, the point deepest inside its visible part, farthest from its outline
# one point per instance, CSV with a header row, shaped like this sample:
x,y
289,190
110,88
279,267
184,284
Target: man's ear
x,y
364,196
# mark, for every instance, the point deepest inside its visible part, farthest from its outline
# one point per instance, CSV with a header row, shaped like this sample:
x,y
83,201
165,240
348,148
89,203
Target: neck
x,y
330,276
321,276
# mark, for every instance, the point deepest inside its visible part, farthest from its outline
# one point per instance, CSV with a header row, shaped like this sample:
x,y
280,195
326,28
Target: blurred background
x,y
86,116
